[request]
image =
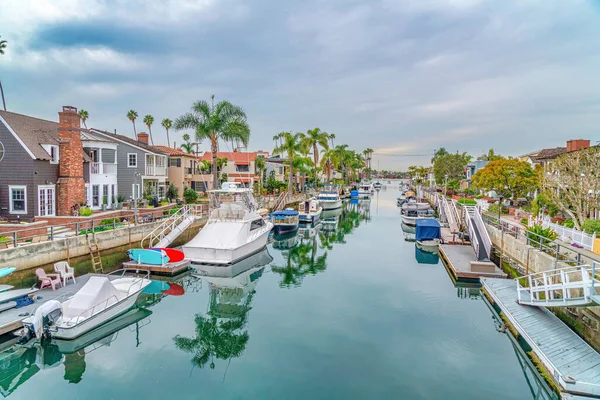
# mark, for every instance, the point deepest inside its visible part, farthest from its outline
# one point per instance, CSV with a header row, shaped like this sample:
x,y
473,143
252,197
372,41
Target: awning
x,y
244,180
242,163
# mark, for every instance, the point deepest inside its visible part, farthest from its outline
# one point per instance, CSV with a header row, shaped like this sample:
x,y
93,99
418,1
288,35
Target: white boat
x,y
329,198
365,190
410,215
242,270
411,204
234,230
101,299
431,246
310,210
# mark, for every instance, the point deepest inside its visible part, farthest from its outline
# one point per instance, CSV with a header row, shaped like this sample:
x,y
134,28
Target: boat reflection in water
x,y
409,232
286,240
19,363
221,333
425,257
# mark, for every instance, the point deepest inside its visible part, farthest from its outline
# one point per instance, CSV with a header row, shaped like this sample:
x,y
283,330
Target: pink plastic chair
x,y
47,279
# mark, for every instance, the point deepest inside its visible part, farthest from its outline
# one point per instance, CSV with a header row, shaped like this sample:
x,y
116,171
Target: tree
x,y
259,168
327,163
190,196
221,163
132,116
149,120
450,166
3,44
83,115
490,156
439,153
291,146
172,192
188,147
204,167
223,121
368,153
508,177
167,124
313,139
572,182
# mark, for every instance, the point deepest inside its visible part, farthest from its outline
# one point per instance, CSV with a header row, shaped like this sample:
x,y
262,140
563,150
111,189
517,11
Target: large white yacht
x,y
365,189
234,229
329,197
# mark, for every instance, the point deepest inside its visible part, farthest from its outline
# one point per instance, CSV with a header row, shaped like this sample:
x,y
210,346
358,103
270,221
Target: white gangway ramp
x,y
170,229
564,287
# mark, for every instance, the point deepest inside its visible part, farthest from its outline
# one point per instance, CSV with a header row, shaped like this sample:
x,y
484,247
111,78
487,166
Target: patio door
x,y
46,201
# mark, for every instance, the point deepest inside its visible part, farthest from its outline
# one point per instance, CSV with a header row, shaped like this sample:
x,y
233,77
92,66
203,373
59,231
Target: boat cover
x,y
428,229
96,295
285,213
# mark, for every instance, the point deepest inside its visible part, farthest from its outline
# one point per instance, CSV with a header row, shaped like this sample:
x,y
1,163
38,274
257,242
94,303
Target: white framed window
x,y
17,199
1,151
46,200
132,160
52,150
95,195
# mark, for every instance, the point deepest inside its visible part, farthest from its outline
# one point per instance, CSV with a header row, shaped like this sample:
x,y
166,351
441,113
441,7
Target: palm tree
x,y
188,147
84,115
149,120
3,44
221,121
312,140
167,124
343,157
291,145
331,137
259,168
132,115
368,155
221,163
327,163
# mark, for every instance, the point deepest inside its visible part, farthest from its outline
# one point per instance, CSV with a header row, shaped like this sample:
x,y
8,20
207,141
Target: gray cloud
x,y
399,76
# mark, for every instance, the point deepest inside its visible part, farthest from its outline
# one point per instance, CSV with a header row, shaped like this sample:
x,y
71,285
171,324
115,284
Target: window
x,y
46,201
135,191
105,198
257,223
18,199
95,195
242,168
132,160
114,193
52,150
174,162
1,151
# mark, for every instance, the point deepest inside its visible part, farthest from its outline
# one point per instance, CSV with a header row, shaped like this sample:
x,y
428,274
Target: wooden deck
x,y
573,364
11,320
169,269
462,263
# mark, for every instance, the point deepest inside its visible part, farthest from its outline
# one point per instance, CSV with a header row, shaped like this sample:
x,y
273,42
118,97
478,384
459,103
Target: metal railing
x,y
172,222
472,235
569,235
485,237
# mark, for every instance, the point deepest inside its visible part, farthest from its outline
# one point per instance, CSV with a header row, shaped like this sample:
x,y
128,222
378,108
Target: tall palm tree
x,y
331,137
259,168
291,146
132,116
328,163
84,115
312,140
223,121
149,120
167,124
343,157
188,147
3,44
368,153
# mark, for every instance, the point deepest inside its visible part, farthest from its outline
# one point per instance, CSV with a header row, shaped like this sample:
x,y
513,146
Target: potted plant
x,y
120,200
104,202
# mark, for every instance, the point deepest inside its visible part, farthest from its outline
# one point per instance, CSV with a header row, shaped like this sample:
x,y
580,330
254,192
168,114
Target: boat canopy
x,y
285,213
96,295
428,229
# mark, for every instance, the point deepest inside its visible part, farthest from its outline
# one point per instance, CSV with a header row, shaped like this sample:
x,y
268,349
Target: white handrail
x,y
167,226
485,237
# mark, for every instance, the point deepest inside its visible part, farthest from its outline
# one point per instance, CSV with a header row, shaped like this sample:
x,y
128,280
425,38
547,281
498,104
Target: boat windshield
x,y
330,189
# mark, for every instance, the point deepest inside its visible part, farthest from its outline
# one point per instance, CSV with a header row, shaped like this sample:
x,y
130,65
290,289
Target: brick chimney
x,y
143,137
71,186
577,144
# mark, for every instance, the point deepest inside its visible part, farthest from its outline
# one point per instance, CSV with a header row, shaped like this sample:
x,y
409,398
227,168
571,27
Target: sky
x,y
403,77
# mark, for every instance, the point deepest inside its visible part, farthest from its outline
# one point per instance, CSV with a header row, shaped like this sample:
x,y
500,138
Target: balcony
x,y
98,168
154,170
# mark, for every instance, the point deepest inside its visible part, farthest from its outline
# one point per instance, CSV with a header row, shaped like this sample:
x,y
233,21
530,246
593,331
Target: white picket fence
x,y
482,204
569,235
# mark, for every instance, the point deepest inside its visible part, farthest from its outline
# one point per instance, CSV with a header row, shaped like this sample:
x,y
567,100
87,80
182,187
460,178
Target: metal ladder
x,y
281,201
564,287
94,253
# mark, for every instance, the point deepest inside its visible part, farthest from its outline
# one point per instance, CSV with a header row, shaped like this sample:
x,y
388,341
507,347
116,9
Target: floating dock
x,y
573,364
461,262
169,269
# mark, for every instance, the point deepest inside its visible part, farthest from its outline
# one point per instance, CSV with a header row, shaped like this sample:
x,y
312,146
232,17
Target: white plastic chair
x,y
65,271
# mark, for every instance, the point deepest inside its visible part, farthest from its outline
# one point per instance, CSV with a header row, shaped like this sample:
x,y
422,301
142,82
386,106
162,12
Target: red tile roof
x,y
174,152
236,157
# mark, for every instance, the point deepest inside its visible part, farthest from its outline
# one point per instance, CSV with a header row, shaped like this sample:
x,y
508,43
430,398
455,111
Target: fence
x,y
569,235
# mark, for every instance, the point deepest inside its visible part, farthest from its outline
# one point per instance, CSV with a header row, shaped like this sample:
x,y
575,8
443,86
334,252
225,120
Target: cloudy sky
x,y
403,77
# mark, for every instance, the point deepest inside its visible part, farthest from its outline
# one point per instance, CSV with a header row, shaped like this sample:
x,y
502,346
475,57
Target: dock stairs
x,y
480,239
564,287
94,253
170,229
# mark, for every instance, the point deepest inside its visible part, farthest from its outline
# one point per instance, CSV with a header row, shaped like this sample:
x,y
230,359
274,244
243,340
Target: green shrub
x,y
479,196
569,223
190,196
85,212
525,221
592,226
110,221
467,202
493,208
4,239
538,234
120,198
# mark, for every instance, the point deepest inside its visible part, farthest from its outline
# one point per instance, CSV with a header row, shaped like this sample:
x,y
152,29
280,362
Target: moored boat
x,y
412,213
329,197
285,221
365,190
310,210
428,234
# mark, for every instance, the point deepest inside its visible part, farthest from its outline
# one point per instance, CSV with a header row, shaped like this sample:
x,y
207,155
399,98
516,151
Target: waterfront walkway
x,y
573,363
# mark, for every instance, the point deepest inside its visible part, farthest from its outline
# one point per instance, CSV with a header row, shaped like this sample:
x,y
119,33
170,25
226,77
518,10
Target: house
x,y
278,166
544,156
185,172
470,170
141,168
45,169
99,170
240,166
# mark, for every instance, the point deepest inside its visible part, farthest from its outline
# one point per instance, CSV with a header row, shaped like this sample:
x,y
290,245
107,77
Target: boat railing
x,y
138,281
288,219
227,214
85,315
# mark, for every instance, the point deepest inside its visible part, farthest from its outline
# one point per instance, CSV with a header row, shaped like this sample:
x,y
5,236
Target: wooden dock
x,y
461,262
572,363
11,320
169,269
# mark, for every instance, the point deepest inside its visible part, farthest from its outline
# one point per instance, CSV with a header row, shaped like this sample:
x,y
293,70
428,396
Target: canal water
x,y
346,309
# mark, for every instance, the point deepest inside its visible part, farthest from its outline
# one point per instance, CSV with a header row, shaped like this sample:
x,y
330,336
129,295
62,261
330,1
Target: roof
x,y
174,152
92,137
32,132
546,154
129,141
236,157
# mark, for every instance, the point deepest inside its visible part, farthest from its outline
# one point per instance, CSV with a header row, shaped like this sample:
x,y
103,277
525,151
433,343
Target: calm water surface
x,y
343,310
